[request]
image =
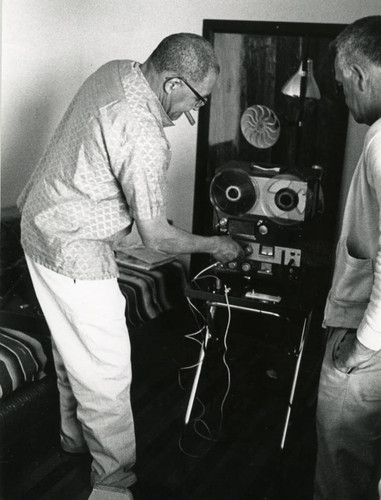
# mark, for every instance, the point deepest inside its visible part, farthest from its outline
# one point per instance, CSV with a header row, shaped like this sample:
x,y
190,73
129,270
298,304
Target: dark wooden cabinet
x,y
256,59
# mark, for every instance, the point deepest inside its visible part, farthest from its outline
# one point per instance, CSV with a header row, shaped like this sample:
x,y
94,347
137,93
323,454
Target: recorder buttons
x,y
248,250
222,225
263,229
266,250
246,267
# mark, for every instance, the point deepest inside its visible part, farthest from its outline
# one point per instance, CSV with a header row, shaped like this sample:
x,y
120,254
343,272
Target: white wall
x,y
51,46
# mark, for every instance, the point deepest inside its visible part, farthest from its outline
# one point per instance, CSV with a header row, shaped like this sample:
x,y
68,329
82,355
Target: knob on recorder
x,y
248,250
263,229
245,266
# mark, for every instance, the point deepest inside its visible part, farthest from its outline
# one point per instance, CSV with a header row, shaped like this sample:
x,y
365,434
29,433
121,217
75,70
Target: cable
x,y
204,270
195,421
199,425
194,308
207,276
198,420
191,336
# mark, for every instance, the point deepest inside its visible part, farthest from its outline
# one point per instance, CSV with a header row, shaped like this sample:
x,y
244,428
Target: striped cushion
x,y
22,360
149,293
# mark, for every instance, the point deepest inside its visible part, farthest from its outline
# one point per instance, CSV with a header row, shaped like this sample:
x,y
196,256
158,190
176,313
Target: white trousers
x,y
348,420
91,349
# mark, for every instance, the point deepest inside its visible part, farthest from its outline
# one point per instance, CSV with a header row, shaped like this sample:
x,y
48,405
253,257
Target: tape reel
x,y
233,192
284,199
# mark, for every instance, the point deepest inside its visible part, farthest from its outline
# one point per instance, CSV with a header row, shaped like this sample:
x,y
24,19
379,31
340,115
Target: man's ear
x,y
171,84
360,77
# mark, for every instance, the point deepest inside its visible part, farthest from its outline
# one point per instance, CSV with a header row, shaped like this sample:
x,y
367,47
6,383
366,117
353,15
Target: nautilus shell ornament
x,y
260,126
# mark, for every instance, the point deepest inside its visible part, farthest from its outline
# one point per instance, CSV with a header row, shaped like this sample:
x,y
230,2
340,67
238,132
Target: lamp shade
x,y
293,86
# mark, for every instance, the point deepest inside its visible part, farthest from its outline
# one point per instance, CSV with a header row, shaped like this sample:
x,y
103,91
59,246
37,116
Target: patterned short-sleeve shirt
x,y
105,166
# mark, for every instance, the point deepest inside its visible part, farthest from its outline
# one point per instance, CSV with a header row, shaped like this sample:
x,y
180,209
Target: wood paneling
x,y
256,60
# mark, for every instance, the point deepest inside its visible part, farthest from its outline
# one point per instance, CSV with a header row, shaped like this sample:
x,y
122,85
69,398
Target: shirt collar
x,y
167,122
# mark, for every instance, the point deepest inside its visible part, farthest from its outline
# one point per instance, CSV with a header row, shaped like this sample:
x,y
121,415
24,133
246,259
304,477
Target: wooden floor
x,y
230,450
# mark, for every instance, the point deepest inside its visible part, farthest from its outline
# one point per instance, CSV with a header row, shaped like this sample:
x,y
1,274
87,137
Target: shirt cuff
x,y
368,337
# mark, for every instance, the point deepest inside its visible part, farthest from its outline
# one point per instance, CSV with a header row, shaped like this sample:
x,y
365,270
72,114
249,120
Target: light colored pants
x,y
348,427
91,349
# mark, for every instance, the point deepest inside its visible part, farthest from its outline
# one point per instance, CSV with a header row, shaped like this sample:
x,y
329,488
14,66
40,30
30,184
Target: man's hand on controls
x,y
351,353
227,250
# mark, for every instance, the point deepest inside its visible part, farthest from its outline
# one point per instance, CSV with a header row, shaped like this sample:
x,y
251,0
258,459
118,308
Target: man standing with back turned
x,y
349,402
104,169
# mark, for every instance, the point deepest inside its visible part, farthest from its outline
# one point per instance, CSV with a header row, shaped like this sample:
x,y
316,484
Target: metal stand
x,y
212,305
303,337
199,368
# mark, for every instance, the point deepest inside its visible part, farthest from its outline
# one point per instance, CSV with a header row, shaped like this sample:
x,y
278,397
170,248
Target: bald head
x,y
187,55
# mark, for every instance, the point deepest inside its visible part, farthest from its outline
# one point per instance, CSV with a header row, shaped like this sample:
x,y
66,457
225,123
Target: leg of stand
x,y
306,326
199,367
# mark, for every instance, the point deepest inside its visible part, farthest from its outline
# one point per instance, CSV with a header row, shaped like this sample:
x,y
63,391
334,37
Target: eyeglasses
x,y
202,100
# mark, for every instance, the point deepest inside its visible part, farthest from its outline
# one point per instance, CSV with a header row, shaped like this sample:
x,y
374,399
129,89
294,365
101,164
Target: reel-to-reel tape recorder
x,y
265,210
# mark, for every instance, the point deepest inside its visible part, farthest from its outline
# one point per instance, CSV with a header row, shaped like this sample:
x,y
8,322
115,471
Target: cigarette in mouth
x,y
190,118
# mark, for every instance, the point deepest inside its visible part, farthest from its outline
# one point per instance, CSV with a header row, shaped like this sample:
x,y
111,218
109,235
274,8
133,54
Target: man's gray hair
x,y
360,42
187,55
